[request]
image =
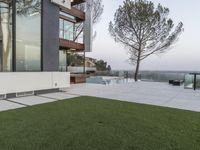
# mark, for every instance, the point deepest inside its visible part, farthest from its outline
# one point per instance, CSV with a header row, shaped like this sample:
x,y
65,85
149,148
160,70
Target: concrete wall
x,y
50,36
15,82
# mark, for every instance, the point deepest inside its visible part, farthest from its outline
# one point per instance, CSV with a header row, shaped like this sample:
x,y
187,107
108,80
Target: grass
x,y
88,123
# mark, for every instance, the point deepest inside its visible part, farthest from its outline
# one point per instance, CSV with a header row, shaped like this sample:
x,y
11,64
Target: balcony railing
x,y
69,35
192,81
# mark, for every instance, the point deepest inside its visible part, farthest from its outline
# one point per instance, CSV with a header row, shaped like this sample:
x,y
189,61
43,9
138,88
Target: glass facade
x,y
20,35
6,36
66,29
28,35
62,61
70,30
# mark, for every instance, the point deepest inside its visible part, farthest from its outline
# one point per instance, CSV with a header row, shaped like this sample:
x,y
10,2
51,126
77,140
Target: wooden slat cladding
x,y
77,78
80,15
75,2
67,44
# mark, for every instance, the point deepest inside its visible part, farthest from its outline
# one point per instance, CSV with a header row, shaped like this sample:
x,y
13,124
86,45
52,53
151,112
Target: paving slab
x,y
59,95
32,100
186,104
6,105
153,93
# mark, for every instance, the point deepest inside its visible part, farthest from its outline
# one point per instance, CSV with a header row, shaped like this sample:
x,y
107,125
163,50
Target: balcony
x,y
67,44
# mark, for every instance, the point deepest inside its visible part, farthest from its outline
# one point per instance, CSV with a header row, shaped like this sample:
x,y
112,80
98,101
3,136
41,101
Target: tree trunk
x,y
137,68
137,71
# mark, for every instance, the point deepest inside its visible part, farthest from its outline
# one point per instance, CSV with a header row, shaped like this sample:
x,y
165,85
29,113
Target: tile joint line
x,y
16,102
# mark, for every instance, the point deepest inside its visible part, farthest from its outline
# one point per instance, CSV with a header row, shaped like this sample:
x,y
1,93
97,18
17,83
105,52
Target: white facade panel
x,y
63,3
15,82
61,80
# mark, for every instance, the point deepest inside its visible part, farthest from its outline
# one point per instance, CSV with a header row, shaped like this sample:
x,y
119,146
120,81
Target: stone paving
x,y
153,93
6,105
14,103
31,100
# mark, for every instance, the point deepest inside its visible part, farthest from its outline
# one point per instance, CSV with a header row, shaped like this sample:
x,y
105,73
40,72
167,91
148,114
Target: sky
x,y
185,54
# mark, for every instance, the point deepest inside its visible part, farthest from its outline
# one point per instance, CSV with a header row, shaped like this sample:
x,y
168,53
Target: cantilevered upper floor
x,y
75,26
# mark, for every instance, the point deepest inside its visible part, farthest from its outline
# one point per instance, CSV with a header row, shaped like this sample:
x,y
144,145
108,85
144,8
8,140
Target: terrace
x,y
97,116
152,93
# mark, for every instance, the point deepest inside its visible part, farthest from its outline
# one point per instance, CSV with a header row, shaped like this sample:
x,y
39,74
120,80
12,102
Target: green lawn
x,y
88,123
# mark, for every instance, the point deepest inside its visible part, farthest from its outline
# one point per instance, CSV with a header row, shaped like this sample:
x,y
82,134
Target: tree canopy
x,y
144,29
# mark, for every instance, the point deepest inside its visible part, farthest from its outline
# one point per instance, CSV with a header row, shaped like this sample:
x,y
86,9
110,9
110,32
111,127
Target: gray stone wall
x,y
50,36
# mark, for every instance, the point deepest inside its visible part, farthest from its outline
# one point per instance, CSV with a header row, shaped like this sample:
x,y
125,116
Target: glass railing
x,y
190,81
62,68
157,76
161,76
198,82
68,35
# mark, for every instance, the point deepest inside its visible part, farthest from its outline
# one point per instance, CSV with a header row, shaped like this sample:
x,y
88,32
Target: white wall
x,y
15,82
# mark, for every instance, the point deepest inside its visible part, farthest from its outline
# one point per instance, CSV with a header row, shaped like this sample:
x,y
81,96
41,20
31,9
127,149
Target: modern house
x,y
35,38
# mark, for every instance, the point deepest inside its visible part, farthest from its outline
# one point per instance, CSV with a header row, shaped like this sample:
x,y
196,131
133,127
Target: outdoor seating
x,y
176,82
171,81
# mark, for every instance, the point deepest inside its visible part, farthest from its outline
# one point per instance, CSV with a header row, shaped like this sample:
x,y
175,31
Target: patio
x,y
152,93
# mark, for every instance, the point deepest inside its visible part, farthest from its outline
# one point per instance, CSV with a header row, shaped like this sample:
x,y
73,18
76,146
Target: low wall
x,y
16,82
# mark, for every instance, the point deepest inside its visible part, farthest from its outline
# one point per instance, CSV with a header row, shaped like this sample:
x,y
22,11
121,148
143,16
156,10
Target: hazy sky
x,y
185,55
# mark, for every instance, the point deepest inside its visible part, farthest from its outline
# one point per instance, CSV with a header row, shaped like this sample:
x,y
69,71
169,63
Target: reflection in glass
x,y
5,35
198,82
78,35
66,30
189,81
61,28
62,61
28,35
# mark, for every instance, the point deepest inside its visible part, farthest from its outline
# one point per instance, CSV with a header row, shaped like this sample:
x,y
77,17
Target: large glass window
x,y
62,61
5,35
28,35
66,30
